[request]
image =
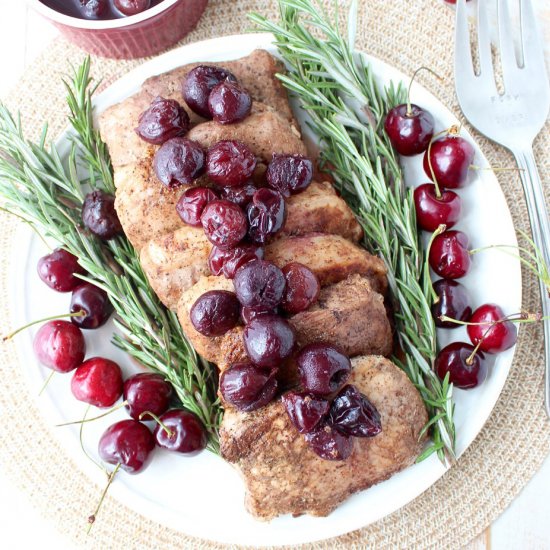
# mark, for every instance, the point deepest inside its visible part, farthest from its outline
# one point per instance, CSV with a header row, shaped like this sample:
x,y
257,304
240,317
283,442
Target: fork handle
x,y
540,226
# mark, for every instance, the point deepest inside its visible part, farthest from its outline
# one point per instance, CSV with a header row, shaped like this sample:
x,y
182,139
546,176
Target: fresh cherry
x,y
241,195
146,392
450,158
227,262
58,270
60,346
465,371
192,203
449,255
95,304
329,444
179,161
229,102
302,288
410,129
187,433
224,223
454,302
97,381
230,163
131,7
164,119
305,410
289,174
99,215
215,312
266,215
493,335
259,285
432,211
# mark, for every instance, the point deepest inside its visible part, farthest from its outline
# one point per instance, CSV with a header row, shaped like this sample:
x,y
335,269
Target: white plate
x,y
203,496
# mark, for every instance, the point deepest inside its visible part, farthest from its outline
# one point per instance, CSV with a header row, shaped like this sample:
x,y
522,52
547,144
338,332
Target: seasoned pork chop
x,y
283,476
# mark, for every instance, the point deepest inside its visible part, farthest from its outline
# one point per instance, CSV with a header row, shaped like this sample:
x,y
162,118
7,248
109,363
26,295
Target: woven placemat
x,y
505,455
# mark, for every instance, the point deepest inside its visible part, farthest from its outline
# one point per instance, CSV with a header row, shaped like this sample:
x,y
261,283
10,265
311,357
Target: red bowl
x,y
139,35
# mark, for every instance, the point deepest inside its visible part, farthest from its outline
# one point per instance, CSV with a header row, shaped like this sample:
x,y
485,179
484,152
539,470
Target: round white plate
x,y
203,496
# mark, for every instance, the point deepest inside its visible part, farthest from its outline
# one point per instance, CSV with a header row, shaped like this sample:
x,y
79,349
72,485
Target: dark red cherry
x,y
163,120
248,313
179,161
323,368
230,163
187,433
198,84
329,444
99,215
269,340
464,370
224,223
192,203
266,215
215,312
241,195
60,346
227,262
94,302
131,7
305,410
432,211
248,387
93,9
128,443
289,174
410,132
97,381
229,102
351,413
259,285
146,392
494,336
450,158
454,302
449,254
58,270
302,288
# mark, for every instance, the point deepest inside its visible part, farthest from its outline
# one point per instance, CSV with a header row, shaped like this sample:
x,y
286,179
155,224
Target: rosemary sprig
x,y
46,191
346,110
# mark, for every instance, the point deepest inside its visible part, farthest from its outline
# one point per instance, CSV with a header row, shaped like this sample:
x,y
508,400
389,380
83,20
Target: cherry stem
x,y
409,108
470,358
47,381
429,152
80,313
440,229
92,518
518,318
84,420
170,433
80,434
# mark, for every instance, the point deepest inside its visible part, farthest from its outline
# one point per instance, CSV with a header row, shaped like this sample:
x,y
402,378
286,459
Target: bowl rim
x,y
67,20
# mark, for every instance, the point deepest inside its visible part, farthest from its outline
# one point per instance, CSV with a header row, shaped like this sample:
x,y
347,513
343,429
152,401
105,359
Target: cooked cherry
x,y
99,215
269,340
410,131
192,203
198,85
128,443
224,223
259,285
302,288
464,370
454,302
248,387
93,9
494,334
449,254
131,7
179,161
146,392
227,262
329,444
248,313
323,369
60,346
432,211
351,413
230,163
187,433
266,215
58,270
229,102
95,304
450,158
305,410
241,195
215,312
163,120
289,174
97,381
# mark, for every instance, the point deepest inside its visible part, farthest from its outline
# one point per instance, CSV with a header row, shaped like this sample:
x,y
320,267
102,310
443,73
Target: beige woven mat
x,y
467,499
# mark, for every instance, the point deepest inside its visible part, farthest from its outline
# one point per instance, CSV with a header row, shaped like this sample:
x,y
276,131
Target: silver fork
x,y
513,119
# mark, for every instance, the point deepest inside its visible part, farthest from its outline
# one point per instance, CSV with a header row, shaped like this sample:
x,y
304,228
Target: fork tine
x,y
484,44
464,69
506,45
533,56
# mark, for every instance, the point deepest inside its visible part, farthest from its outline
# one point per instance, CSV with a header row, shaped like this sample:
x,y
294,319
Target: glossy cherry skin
x,y
93,9
128,443
58,270
146,392
289,174
215,312
409,132
494,336
454,302
97,381
192,203
305,410
266,215
60,346
451,157
329,444
163,120
463,372
259,285
229,103
230,163
227,262
99,215
432,211
131,7
241,195
187,433
224,224
302,288
449,255
179,161
94,302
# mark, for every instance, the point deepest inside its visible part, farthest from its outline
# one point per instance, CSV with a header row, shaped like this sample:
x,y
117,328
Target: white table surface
x,y
524,525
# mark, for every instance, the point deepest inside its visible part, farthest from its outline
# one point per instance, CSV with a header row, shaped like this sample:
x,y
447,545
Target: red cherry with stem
x,y
146,392
98,381
95,304
58,270
449,255
464,364
180,431
59,345
434,208
495,333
